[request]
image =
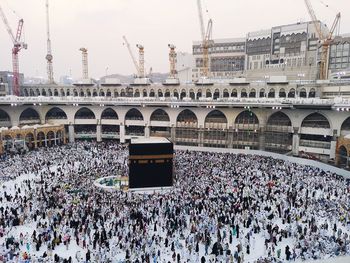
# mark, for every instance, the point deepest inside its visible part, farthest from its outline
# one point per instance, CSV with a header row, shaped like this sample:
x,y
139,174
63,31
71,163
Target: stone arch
x,y
82,94
29,116
108,93
234,93
88,92
31,93
216,94
84,113
199,94
262,93
55,92
160,115
215,118
5,119
55,113
302,93
151,93
316,120
167,93
68,92
271,93
144,93
244,93
49,92
50,138
252,93
26,93
208,93
160,93
94,93
187,116
176,94
137,93
312,93
40,139
29,140
102,93
345,127
183,94
37,92
192,94
291,93
109,113
247,117
62,93
282,93
134,114
226,94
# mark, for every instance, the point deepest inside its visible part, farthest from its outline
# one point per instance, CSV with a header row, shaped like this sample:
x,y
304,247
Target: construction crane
x,y
85,62
49,56
325,39
17,47
206,40
172,60
141,61
126,42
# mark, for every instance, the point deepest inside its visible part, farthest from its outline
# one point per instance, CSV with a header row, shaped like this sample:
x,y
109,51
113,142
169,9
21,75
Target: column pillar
x,y
200,136
296,139
230,137
55,139
71,133
122,132
333,145
173,133
147,131
262,139
98,133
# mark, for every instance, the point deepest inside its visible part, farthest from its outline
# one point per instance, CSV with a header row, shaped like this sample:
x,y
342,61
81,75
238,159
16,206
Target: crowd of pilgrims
x,y
222,208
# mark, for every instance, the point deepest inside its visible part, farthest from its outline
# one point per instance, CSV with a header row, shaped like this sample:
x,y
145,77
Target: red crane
x,y
17,46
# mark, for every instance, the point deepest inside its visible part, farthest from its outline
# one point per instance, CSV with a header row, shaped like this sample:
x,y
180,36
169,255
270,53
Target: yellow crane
x,y
206,40
325,39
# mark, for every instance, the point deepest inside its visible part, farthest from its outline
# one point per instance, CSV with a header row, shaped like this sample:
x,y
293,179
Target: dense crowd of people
x,y
222,208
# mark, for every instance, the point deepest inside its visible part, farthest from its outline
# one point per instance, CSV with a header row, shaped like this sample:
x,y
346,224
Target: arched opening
x,y
302,93
192,94
84,113
82,94
5,120
49,91
37,92
108,93
68,92
75,93
315,120
55,114
55,92
167,93
29,140
291,93
137,93
315,132
279,133
199,94
244,93
94,93
43,92
40,139
282,93
234,93
246,131
88,92
345,127
312,93
144,93
59,138
26,93
252,93
271,93
186,128
109,114
151,93
262,93
102,93
216,94
208,93
226,94
62,93
160,115
116,94
160,93
343,157
50,138
176,94
134,114
31,93
182,94
215,133
29,116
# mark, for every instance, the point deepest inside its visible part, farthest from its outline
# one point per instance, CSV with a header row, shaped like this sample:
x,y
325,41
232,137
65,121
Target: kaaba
x,y
150,163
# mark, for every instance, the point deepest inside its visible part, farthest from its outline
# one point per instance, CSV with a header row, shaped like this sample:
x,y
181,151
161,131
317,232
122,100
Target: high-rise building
x,y
339,55
6,77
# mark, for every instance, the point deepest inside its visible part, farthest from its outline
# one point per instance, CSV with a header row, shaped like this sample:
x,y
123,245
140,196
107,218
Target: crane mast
x,y
325,40
17,47
206,40
85,62
49,56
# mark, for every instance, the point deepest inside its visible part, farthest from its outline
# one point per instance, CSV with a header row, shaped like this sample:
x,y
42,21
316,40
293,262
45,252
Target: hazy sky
x,y
99,26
